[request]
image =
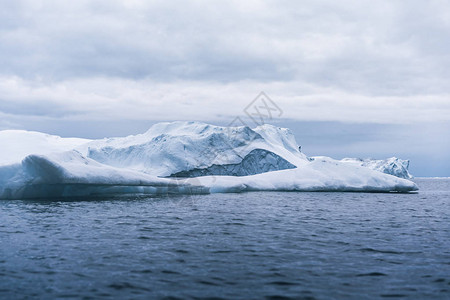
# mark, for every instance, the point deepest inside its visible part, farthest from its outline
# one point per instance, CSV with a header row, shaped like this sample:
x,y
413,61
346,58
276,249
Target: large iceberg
x,y
177,158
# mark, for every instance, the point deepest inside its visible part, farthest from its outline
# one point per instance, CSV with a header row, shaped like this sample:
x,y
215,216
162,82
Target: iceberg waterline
x,y
212,158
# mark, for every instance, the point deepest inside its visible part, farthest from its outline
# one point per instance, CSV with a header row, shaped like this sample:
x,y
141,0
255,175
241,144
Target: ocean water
x,y
248,246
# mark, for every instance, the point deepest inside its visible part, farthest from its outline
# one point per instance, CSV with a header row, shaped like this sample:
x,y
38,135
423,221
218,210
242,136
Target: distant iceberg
x,y
182,158
393,166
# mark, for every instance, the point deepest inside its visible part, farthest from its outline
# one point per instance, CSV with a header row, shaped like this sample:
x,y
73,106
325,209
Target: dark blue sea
x,y
271,245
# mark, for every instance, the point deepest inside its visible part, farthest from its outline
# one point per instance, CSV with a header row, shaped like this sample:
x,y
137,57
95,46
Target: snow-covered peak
x,y
282,142
169,148
178,128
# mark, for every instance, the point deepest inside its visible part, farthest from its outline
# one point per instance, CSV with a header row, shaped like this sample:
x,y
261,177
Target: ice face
x,y
256,162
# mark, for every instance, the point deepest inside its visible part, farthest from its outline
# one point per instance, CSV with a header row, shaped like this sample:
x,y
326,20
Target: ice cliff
x,y
181,158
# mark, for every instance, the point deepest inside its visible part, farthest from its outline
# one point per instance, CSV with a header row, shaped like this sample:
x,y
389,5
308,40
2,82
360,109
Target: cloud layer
x,y
353,61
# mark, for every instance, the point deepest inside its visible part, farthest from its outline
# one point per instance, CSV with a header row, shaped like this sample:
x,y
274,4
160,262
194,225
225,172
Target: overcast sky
x,y
95,68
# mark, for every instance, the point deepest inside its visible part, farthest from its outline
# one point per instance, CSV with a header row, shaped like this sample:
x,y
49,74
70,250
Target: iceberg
x,y
182,158
393,166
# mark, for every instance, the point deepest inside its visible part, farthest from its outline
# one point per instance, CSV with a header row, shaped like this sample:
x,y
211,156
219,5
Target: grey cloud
x,y
38,108
61,43
379,48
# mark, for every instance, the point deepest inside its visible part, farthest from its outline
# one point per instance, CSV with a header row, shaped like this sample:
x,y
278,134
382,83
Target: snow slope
x,y
215,159
15,145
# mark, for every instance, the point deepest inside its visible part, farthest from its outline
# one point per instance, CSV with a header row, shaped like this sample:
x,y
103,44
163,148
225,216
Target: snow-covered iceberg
x,y
393,166
177,158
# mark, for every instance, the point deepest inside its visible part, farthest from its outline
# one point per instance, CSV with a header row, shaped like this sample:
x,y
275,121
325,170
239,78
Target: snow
x,y
216,159
393,166
316,176
15,145
169,148
71,174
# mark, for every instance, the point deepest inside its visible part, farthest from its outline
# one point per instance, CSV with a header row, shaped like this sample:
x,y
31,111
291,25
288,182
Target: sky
x,y
351,78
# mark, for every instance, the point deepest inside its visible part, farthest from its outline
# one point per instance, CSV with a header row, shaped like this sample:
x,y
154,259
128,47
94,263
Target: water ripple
x,y
227,246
